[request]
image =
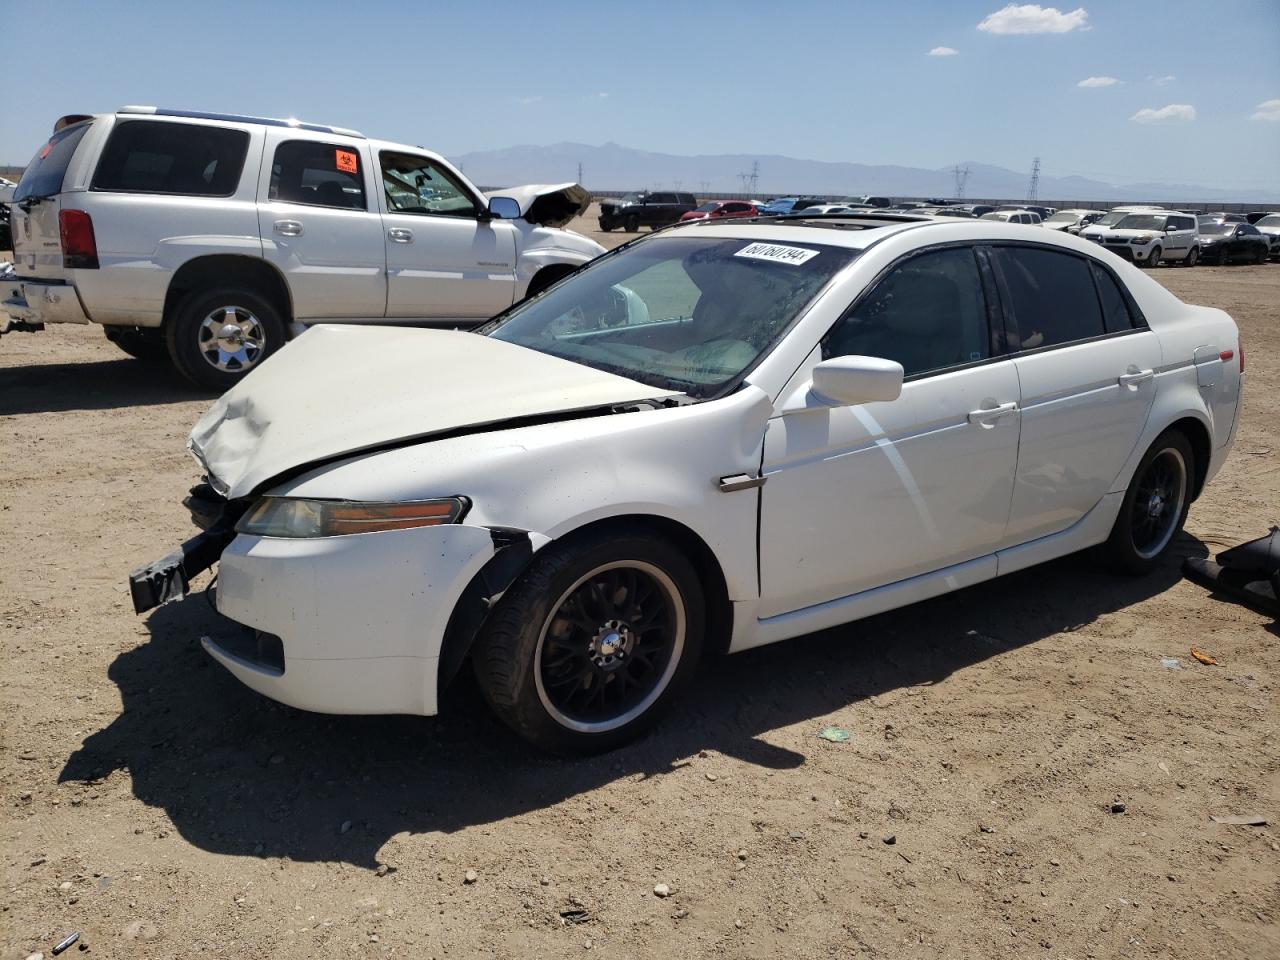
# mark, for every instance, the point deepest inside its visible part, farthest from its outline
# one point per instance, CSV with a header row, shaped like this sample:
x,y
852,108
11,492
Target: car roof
x,y
237,118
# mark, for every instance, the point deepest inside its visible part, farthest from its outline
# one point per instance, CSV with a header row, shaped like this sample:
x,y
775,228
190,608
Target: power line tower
x,y
751,180
1033,188
961,175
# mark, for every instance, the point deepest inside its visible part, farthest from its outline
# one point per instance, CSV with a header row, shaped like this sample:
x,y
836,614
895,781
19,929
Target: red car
x,y
718,209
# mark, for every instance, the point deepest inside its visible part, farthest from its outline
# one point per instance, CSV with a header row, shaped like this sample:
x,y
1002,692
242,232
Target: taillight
x,y
79,246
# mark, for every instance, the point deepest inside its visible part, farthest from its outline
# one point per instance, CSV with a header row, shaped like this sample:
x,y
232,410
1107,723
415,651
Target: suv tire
x,y
201,354
611,615
141,343
631,224
1192,258
1154,507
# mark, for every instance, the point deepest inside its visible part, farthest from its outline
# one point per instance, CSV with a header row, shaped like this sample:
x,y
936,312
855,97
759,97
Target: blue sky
x,y
822,80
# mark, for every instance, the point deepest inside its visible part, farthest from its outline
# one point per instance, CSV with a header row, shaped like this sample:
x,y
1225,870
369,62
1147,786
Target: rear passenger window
x,y
928,313
1115,310
318,174
44,174
147,156
1052,296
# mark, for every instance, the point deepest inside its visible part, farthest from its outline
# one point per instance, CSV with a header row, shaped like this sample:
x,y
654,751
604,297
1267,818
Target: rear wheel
x,y
1155,505
1192,258
215,337
1263,255
141,343
593,642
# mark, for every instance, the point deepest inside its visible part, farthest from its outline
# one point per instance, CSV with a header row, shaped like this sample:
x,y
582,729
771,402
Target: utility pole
x,y
579,171
705,185
751,180
961,175
1033,189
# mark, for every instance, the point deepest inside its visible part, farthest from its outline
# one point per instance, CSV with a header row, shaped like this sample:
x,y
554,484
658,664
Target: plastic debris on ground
x,y
1242,820
1203,657
1170,663
834,734
1249,573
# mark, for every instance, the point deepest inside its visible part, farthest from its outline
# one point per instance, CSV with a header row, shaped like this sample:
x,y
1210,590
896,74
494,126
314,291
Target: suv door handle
x,y
987,416
400,235
1133,376
288,228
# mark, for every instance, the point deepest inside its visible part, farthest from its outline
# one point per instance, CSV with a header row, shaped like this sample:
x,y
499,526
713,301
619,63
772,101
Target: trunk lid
x,y
340,390
37,200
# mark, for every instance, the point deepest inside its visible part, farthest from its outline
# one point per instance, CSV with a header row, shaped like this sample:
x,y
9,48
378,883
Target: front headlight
x,y
1141,240
295,518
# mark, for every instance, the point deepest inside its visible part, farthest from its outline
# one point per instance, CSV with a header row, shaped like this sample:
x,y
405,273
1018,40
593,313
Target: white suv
x,y
213,238
1148,237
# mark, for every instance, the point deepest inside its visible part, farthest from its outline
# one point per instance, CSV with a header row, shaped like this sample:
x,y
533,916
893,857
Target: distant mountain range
x,y
614,167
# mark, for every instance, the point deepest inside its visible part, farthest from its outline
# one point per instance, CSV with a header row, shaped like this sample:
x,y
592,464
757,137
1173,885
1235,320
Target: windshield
x,y
631,197
1271,220
43,176
688,314
1115,216
1141,221
1216,229
995,216
1063,218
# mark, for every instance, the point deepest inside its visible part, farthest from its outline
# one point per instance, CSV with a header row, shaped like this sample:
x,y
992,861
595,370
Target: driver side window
x,y
928,314
419,185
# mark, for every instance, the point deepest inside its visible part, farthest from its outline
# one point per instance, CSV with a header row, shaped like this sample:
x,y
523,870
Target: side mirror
x,y
844,381
504,208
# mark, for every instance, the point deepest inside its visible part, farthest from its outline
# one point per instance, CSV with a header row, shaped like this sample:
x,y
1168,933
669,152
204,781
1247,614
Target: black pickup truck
x,y
645,209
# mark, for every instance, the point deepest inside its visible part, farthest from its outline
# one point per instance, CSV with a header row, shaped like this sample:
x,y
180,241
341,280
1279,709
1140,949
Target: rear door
x,y
446,258
1086,365
320,225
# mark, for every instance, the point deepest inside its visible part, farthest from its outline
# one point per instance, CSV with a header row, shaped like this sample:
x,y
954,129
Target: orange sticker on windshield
x,y
47,147
346,161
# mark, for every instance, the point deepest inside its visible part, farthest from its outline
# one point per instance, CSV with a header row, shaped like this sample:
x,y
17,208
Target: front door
x,y
862,496
320,225
1086,365
446,258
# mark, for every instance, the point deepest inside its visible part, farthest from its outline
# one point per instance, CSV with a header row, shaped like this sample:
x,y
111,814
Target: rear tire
x,y
1154,507
1192,258
217,337
141,343
607,616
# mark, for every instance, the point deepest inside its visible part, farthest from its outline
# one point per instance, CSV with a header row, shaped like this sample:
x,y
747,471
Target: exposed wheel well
x,y
1201,447
223,269
472,606
547,276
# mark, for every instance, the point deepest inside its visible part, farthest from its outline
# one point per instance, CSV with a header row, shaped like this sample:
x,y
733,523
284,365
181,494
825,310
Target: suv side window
x,y
1247,230
1051,294
662,198
47,169
1185,223
317,174
148,156
928,313
419,185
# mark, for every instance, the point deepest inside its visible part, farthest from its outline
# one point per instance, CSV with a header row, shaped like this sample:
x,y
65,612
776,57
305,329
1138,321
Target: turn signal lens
x,y
293,518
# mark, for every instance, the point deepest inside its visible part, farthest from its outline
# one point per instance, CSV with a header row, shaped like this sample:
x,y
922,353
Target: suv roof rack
x,y
240,118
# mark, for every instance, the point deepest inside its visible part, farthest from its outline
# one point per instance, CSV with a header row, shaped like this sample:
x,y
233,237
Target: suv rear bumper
x,y
32,301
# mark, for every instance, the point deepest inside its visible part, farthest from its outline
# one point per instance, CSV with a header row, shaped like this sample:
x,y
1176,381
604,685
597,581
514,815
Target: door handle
x,y
400,235
1133,376
987,416
288,228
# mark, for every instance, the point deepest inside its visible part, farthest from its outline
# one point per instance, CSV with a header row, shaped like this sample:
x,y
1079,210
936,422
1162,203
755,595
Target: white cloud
x,y
526,101
1090,83
1167,79
943,52
1033,18
602,95
1268,110
1174,111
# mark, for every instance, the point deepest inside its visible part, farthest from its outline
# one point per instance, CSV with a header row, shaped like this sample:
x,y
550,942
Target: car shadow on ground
x,y
238,774
96,385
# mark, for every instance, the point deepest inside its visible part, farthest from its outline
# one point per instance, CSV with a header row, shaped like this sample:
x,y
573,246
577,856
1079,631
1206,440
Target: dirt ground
x,y
157,806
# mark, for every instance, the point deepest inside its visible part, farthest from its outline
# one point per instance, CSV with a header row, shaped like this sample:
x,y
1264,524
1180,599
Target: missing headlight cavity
x,y
512,553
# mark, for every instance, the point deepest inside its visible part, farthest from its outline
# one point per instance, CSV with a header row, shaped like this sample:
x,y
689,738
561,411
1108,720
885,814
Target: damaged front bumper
x,y
169,578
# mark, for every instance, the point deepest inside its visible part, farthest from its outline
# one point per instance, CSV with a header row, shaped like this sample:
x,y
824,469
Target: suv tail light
x,y
79,246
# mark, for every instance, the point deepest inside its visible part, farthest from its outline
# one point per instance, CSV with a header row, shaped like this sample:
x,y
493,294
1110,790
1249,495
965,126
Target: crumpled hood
x,y
548,205
338,390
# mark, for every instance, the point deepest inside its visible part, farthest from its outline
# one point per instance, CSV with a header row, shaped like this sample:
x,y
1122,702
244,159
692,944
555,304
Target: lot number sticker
x,y
777,253
346,161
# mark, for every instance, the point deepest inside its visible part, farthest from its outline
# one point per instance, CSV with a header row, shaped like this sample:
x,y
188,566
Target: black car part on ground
x,y
1249,573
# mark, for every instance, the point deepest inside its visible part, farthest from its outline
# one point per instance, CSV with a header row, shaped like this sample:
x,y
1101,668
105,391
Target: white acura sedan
x,y
714,437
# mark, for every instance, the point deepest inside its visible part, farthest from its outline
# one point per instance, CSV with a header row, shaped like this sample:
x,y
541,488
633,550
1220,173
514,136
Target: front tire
x,y
1153,261
593,642
216,337
1192,258
1154,507
631,224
